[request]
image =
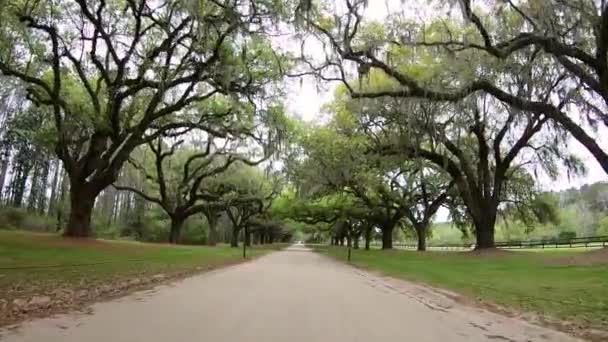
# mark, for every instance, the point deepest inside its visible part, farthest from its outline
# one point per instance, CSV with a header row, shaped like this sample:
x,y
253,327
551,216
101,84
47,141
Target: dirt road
x,y
294,295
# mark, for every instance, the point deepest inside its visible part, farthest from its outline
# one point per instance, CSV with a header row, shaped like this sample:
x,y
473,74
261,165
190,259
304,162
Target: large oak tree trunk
x,y
176,229
484,230
387,237
421,233
89,176
234,239
212,238
82,201
368,238
484,236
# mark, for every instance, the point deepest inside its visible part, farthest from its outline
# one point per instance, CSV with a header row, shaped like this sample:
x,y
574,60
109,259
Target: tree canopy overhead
x,y
559,46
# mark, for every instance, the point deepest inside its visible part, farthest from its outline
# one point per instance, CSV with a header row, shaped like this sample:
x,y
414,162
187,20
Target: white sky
x,y
306,99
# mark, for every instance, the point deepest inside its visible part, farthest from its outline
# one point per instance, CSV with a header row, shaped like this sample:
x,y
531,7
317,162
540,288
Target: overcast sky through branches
x,y
306,99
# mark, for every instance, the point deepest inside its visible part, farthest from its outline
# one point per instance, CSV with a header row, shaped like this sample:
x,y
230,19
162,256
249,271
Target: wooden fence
x,y
587,242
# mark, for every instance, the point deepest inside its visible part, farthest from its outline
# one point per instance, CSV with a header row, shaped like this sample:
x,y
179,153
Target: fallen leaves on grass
x,y
40,302
21,302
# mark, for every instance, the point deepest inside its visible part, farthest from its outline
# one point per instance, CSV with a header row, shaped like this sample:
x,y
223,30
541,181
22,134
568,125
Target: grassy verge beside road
x,y
544,283
44,273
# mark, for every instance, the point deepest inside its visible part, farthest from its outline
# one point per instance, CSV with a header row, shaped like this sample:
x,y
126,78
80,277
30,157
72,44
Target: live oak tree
x,y
266,226
179,177
334,163
213,213
252,193
118,74
414,188
424,189
315,210
332,216
326,166
311,211
488,151
387,209
341,157
266,230
198,176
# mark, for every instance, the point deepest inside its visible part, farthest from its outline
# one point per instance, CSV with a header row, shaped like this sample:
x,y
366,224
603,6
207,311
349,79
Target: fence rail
x,y
587,242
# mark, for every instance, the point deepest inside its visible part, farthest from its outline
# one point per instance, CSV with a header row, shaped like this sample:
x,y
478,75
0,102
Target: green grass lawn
x,y
522,280
38,263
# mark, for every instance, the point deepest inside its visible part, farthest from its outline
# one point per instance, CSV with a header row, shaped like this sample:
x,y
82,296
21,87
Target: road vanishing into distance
x,y
292,295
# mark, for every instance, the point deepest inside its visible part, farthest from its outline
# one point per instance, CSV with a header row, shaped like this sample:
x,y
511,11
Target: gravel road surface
x,y
292,295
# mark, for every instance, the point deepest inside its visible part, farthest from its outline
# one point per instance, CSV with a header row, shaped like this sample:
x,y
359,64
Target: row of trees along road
x,y
486,100
459,109
112,76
